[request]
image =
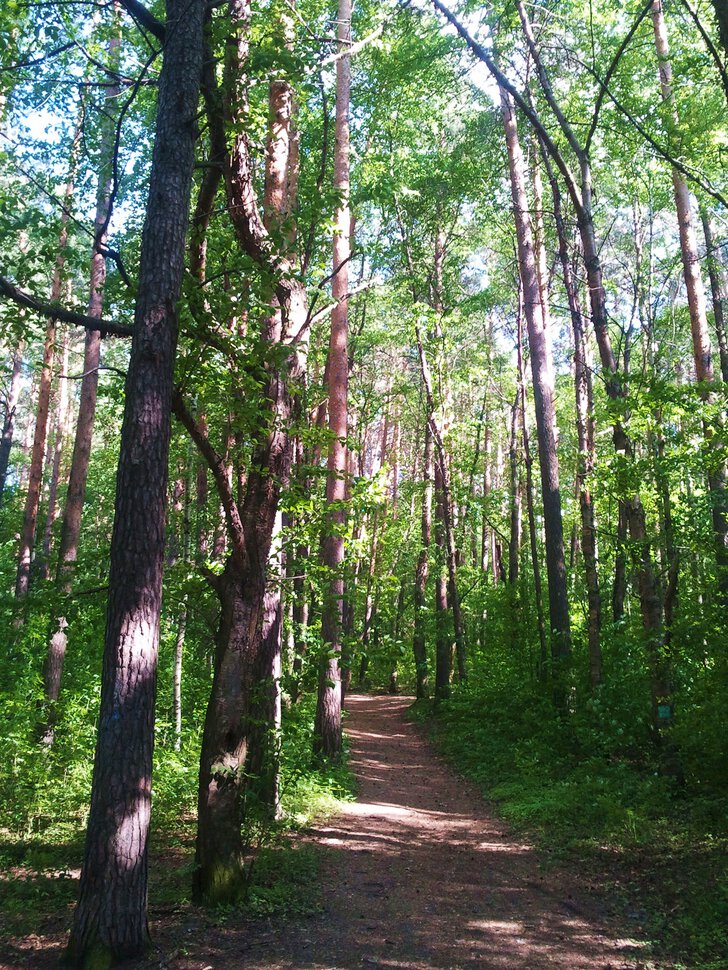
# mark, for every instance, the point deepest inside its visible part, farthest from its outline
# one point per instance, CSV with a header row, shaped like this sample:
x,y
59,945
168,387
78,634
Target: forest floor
x,y
416,874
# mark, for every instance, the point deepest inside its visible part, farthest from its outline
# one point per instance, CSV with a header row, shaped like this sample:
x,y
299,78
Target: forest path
x,y
417,875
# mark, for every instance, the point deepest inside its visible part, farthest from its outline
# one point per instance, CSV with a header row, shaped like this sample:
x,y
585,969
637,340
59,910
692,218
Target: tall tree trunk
x,y
231,733
514,543
419,642
10,407
543,388
110,921
327,731
532,536
585,436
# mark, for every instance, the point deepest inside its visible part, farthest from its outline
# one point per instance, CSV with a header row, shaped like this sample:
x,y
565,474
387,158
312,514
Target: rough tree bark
x,y
110,921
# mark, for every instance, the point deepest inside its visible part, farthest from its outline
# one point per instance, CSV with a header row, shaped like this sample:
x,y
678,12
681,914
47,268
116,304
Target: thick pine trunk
x,y
110,921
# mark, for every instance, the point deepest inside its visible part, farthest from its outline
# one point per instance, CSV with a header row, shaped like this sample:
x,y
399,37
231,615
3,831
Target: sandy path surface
x,y
416,874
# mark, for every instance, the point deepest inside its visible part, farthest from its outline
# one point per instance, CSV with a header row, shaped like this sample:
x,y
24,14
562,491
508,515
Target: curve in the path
x,y
416,875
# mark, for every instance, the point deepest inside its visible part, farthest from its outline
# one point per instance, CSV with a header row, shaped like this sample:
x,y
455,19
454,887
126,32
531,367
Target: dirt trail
x,y
417,875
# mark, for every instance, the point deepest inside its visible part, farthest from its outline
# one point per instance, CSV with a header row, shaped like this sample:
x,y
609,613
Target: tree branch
x,y
30,302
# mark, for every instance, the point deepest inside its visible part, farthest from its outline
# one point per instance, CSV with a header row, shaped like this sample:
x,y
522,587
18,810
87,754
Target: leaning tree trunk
x,y
327,730
110,921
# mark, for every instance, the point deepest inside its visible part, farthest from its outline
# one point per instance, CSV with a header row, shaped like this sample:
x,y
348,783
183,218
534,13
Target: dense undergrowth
x,y
590,793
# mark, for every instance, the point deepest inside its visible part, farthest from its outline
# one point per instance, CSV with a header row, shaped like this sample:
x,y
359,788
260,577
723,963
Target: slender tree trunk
x,y
419,643
11,404
543,386
110,921
443,641
327,729
514,544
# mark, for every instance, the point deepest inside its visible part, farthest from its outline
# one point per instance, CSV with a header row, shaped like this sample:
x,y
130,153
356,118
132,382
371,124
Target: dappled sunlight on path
x,y
416,875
